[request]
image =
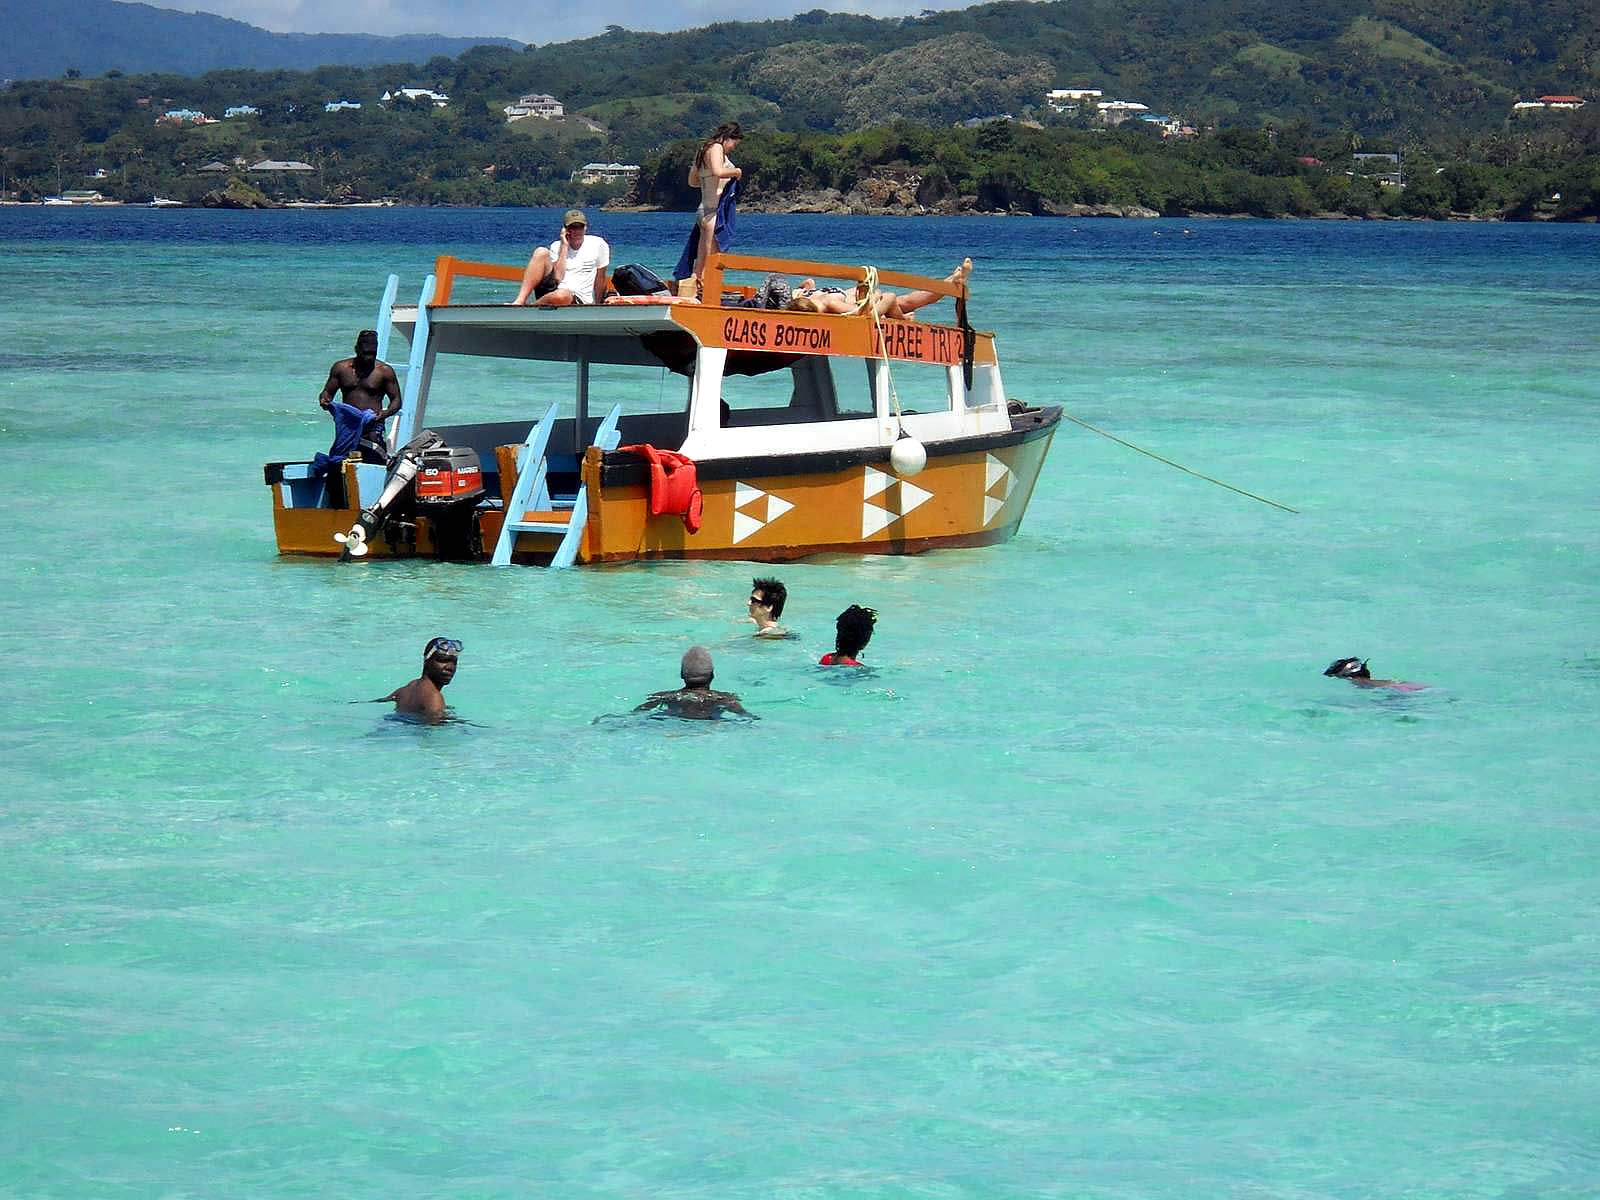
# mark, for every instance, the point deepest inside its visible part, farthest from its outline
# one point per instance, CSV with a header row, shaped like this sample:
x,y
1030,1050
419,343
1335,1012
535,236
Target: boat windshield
x,y
803,394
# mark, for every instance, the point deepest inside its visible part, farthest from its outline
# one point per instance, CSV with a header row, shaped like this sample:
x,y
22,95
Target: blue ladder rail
x,y
607,437
385,325
532,491
405,425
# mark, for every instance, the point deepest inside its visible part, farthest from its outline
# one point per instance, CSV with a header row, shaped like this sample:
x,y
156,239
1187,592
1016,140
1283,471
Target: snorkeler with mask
x,y
424,696
1355,670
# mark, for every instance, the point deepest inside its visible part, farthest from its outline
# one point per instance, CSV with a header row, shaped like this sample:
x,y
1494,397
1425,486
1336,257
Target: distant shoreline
x,y
1069,212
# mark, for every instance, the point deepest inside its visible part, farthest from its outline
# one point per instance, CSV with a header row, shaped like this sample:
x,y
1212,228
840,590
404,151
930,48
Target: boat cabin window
x,y
986,390
801,394
922,387
654,401
507,396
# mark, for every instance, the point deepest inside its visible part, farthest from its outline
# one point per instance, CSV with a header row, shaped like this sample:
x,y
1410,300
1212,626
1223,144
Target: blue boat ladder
x,y
532,493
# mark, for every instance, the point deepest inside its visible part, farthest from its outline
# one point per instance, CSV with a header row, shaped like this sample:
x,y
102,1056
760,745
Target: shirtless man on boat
x,y
424,696
365,383
696,699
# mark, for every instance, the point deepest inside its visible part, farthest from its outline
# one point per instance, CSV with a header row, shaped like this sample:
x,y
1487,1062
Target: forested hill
x,y
1389,67
1283,94
1386,66
48,38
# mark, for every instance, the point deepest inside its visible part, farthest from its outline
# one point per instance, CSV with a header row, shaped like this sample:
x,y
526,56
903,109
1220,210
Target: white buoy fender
x,y
907,457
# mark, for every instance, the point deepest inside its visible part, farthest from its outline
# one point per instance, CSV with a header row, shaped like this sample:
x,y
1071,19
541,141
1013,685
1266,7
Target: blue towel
x,y
725,217
348,424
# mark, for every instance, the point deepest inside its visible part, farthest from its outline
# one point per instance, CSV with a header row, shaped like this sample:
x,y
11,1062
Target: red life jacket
x,y
673,491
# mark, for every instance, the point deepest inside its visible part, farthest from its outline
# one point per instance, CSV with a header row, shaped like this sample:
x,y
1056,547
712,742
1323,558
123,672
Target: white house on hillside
x,y
598,172
1068,99
1115,112
439,99
535,104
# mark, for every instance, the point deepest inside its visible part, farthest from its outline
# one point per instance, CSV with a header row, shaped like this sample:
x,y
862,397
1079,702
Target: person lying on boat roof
x,y
424,696
570,269
808,297
365,383
695,699
767,598
1355,670
852,632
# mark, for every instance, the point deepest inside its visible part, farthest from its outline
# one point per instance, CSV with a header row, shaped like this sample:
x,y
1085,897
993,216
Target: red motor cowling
x,y
449,475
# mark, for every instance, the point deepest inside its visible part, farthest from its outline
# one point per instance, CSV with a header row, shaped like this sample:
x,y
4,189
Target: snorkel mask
x,y
1349,668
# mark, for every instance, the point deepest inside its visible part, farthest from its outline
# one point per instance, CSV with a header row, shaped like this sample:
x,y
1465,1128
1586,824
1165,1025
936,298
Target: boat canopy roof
x,y
600,334
653,334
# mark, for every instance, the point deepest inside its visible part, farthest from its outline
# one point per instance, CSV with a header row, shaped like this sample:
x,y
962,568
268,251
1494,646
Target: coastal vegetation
x,y
857,114
1006,167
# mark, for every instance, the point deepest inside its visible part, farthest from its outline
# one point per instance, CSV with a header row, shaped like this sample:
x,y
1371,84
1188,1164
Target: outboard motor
x,y
403,470
449,486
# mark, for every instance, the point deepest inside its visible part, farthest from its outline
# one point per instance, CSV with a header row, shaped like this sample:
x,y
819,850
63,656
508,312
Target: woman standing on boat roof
x,y
712,172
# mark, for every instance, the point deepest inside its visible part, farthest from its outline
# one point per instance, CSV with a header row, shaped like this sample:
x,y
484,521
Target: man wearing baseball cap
x,y
570,270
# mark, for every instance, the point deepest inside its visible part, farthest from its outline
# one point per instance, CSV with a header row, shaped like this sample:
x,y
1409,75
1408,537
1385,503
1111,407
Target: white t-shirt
x,y
582,264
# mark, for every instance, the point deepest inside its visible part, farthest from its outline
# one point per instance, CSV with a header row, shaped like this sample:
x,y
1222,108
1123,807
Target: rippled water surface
x,y
1094,888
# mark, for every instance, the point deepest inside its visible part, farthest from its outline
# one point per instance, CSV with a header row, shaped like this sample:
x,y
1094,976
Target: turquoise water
x,y
1094,888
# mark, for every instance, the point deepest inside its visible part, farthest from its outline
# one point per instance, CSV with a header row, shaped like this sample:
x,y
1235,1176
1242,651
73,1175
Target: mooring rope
x,y
1151,454
870,303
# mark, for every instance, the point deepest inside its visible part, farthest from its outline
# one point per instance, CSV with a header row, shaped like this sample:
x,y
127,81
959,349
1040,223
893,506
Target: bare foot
x,y
962,273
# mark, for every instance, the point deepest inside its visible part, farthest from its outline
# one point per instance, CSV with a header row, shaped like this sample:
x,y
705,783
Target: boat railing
x,y
447,269
717,265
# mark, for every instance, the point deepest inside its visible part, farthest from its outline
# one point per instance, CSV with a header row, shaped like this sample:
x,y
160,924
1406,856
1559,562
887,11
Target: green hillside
x,y
1436,78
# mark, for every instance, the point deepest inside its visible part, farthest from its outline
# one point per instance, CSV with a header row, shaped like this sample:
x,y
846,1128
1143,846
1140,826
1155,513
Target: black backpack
x,y
631,279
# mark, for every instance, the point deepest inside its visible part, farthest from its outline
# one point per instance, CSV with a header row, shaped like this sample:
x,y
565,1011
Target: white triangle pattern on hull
x,y
906,497
995,472
765,508
744,526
